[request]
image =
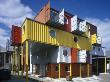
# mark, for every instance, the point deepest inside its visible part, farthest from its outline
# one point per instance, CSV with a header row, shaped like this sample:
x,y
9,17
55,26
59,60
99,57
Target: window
x,y
52,33
47,67
65,52
7,58
93,47
75,39
56,68
66,68
98,49
65,20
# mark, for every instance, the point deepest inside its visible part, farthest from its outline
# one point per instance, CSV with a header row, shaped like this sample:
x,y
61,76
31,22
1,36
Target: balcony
x,y
56,18
78,26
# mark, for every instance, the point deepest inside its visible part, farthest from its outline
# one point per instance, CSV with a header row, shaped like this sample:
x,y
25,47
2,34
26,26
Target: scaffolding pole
x,y
27,45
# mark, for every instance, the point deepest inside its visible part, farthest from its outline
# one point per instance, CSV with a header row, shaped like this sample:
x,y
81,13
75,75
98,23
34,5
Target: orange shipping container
x,y
74,55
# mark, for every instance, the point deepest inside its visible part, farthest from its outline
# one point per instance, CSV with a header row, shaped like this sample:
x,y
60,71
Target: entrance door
x,y
42,70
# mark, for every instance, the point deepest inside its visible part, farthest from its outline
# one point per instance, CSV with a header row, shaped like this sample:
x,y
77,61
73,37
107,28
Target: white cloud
x,y
103,29
3,37
12,12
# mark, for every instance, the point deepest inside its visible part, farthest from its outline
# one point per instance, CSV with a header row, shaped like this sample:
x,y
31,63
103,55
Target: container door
x,y
61,17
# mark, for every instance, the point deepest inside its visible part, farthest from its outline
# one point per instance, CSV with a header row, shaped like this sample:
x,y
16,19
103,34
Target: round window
x,y
52,33
75,39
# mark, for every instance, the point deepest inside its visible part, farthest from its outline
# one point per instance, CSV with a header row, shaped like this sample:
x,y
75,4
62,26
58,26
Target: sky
x,y
96,12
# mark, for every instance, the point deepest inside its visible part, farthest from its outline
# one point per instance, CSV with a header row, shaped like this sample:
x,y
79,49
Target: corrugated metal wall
x,y
38,32
44,15
74,52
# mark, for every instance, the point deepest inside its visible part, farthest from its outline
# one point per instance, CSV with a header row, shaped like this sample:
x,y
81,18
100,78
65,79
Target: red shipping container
x,y
16,35
67,25
74,55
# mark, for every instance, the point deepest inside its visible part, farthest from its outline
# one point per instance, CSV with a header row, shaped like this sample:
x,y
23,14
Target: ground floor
x,y
59,70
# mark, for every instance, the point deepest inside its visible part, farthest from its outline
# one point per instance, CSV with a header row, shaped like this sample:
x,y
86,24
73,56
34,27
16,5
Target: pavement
x,y
35,78
20,79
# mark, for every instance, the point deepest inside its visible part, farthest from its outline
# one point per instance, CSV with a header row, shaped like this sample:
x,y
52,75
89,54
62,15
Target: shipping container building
x,y
57,44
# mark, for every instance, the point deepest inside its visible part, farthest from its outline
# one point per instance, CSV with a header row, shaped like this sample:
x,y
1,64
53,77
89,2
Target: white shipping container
x,y
97,51
82,56
64,54
82,26
74,25
99,40
61,17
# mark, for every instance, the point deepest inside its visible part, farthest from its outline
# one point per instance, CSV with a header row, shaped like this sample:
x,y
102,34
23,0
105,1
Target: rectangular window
x,y
67,68
7,58
56,68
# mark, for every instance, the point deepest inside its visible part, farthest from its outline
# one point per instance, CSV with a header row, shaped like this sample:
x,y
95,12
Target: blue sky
x,y
94,11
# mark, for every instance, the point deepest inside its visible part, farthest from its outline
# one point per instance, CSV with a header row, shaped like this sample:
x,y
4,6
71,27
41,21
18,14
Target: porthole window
x,y
65,52
52,33
75,39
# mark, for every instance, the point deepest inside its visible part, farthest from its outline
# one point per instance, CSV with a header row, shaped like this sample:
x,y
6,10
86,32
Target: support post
x,y
18,60
105,66
88,73
97,66
70,69
14,67
22,59
27,44
12,62
59,70
80,70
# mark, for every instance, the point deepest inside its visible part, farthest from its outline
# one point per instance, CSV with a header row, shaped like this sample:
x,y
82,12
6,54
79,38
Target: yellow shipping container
x,y
41,33
93,39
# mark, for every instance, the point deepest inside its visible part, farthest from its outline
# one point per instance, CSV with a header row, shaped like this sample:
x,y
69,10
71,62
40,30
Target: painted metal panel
x,y
93,39
61,38
61,17
74,52
74,24
82,56
99,40
64,54
16,35
44,15
97,51
83,26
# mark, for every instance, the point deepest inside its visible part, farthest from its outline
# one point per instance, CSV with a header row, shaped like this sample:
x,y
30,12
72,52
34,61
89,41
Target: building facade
x,y
57,44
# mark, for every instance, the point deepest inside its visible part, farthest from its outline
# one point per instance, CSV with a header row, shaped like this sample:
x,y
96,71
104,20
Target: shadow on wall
x,y
43,53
